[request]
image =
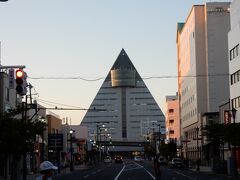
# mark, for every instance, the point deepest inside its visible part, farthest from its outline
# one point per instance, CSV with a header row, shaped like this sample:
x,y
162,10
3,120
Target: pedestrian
x,y
47,170
157,167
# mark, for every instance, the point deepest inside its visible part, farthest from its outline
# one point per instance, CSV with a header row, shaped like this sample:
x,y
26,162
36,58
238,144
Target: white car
x,y
107,159
137,159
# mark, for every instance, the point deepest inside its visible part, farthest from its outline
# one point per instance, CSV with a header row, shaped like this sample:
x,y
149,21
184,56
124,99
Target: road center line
x,y
119,173
85,176
146,170
189,177
149,173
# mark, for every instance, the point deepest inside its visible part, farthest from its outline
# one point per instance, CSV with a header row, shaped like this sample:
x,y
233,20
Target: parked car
x,y
176,163
107,159
118,159
137,159
163,161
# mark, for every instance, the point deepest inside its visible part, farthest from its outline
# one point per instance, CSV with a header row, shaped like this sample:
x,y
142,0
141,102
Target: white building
x,y
234,58
124,105
202,52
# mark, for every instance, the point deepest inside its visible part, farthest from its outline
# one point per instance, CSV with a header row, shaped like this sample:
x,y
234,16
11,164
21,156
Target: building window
x,y
234,52
235,77
171,121
171,110
171,132
236,102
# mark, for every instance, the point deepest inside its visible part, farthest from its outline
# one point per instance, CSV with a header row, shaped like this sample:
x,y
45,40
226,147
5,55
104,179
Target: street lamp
x,y
71,150
197,130
99,128
43,144
159,134
186,140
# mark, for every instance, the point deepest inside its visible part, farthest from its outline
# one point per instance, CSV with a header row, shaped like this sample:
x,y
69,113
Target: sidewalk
x,y
63,171
208,169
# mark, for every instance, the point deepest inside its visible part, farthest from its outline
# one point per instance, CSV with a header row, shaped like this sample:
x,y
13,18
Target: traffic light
x,y
110,141
21,82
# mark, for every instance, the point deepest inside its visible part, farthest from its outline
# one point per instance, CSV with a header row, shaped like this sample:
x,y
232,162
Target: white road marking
x,y
185,175
146,171
149,173
85,176
119,173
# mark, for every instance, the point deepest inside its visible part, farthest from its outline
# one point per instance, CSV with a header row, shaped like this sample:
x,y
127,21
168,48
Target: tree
x,y
18,134
220,133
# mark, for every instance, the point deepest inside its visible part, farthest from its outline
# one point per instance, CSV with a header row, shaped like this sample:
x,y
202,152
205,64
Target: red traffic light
x,y
21,84
19,73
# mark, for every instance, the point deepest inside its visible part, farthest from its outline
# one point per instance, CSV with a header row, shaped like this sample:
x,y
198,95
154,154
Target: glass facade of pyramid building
x,y
123,109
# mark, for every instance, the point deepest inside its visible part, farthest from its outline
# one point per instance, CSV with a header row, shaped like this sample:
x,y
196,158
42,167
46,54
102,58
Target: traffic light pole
x,y
12,67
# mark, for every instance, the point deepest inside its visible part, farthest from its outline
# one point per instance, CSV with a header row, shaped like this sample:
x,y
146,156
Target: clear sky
x,y
82,38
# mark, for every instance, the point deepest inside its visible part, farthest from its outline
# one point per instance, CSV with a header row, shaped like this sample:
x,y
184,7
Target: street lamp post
x,y
71,150
197,130
186,136
99,127
159,135
43,144
234,111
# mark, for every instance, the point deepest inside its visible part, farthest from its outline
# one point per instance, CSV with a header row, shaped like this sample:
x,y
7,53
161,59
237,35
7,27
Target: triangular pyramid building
x,y
130,112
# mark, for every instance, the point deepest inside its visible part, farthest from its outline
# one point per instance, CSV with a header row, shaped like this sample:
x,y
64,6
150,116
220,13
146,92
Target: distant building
x,y
234,58
80,136
8,95
172,119
55,138
124,105
202,53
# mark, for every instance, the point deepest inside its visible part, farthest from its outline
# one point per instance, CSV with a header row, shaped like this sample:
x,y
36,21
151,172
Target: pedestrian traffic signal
x,y
21,83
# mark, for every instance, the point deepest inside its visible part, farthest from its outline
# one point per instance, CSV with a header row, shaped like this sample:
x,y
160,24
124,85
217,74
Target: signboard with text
x,y
227,118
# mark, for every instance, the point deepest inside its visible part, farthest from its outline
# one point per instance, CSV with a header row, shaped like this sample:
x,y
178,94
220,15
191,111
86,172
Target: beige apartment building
x,y
203,81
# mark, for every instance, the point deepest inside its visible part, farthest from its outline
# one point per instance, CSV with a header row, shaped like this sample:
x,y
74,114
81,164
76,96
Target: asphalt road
x,y
131,170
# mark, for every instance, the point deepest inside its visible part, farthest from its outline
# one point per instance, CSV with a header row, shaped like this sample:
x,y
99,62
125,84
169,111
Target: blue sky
x,y
82,38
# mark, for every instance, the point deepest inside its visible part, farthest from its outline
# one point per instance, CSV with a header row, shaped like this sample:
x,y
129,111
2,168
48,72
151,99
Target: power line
x,y
145,78
55,103
62,78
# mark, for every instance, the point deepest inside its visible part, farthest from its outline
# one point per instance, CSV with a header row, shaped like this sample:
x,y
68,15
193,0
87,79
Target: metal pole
x,y
71,152
234,147
197,129
42,158
186,135
159,137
